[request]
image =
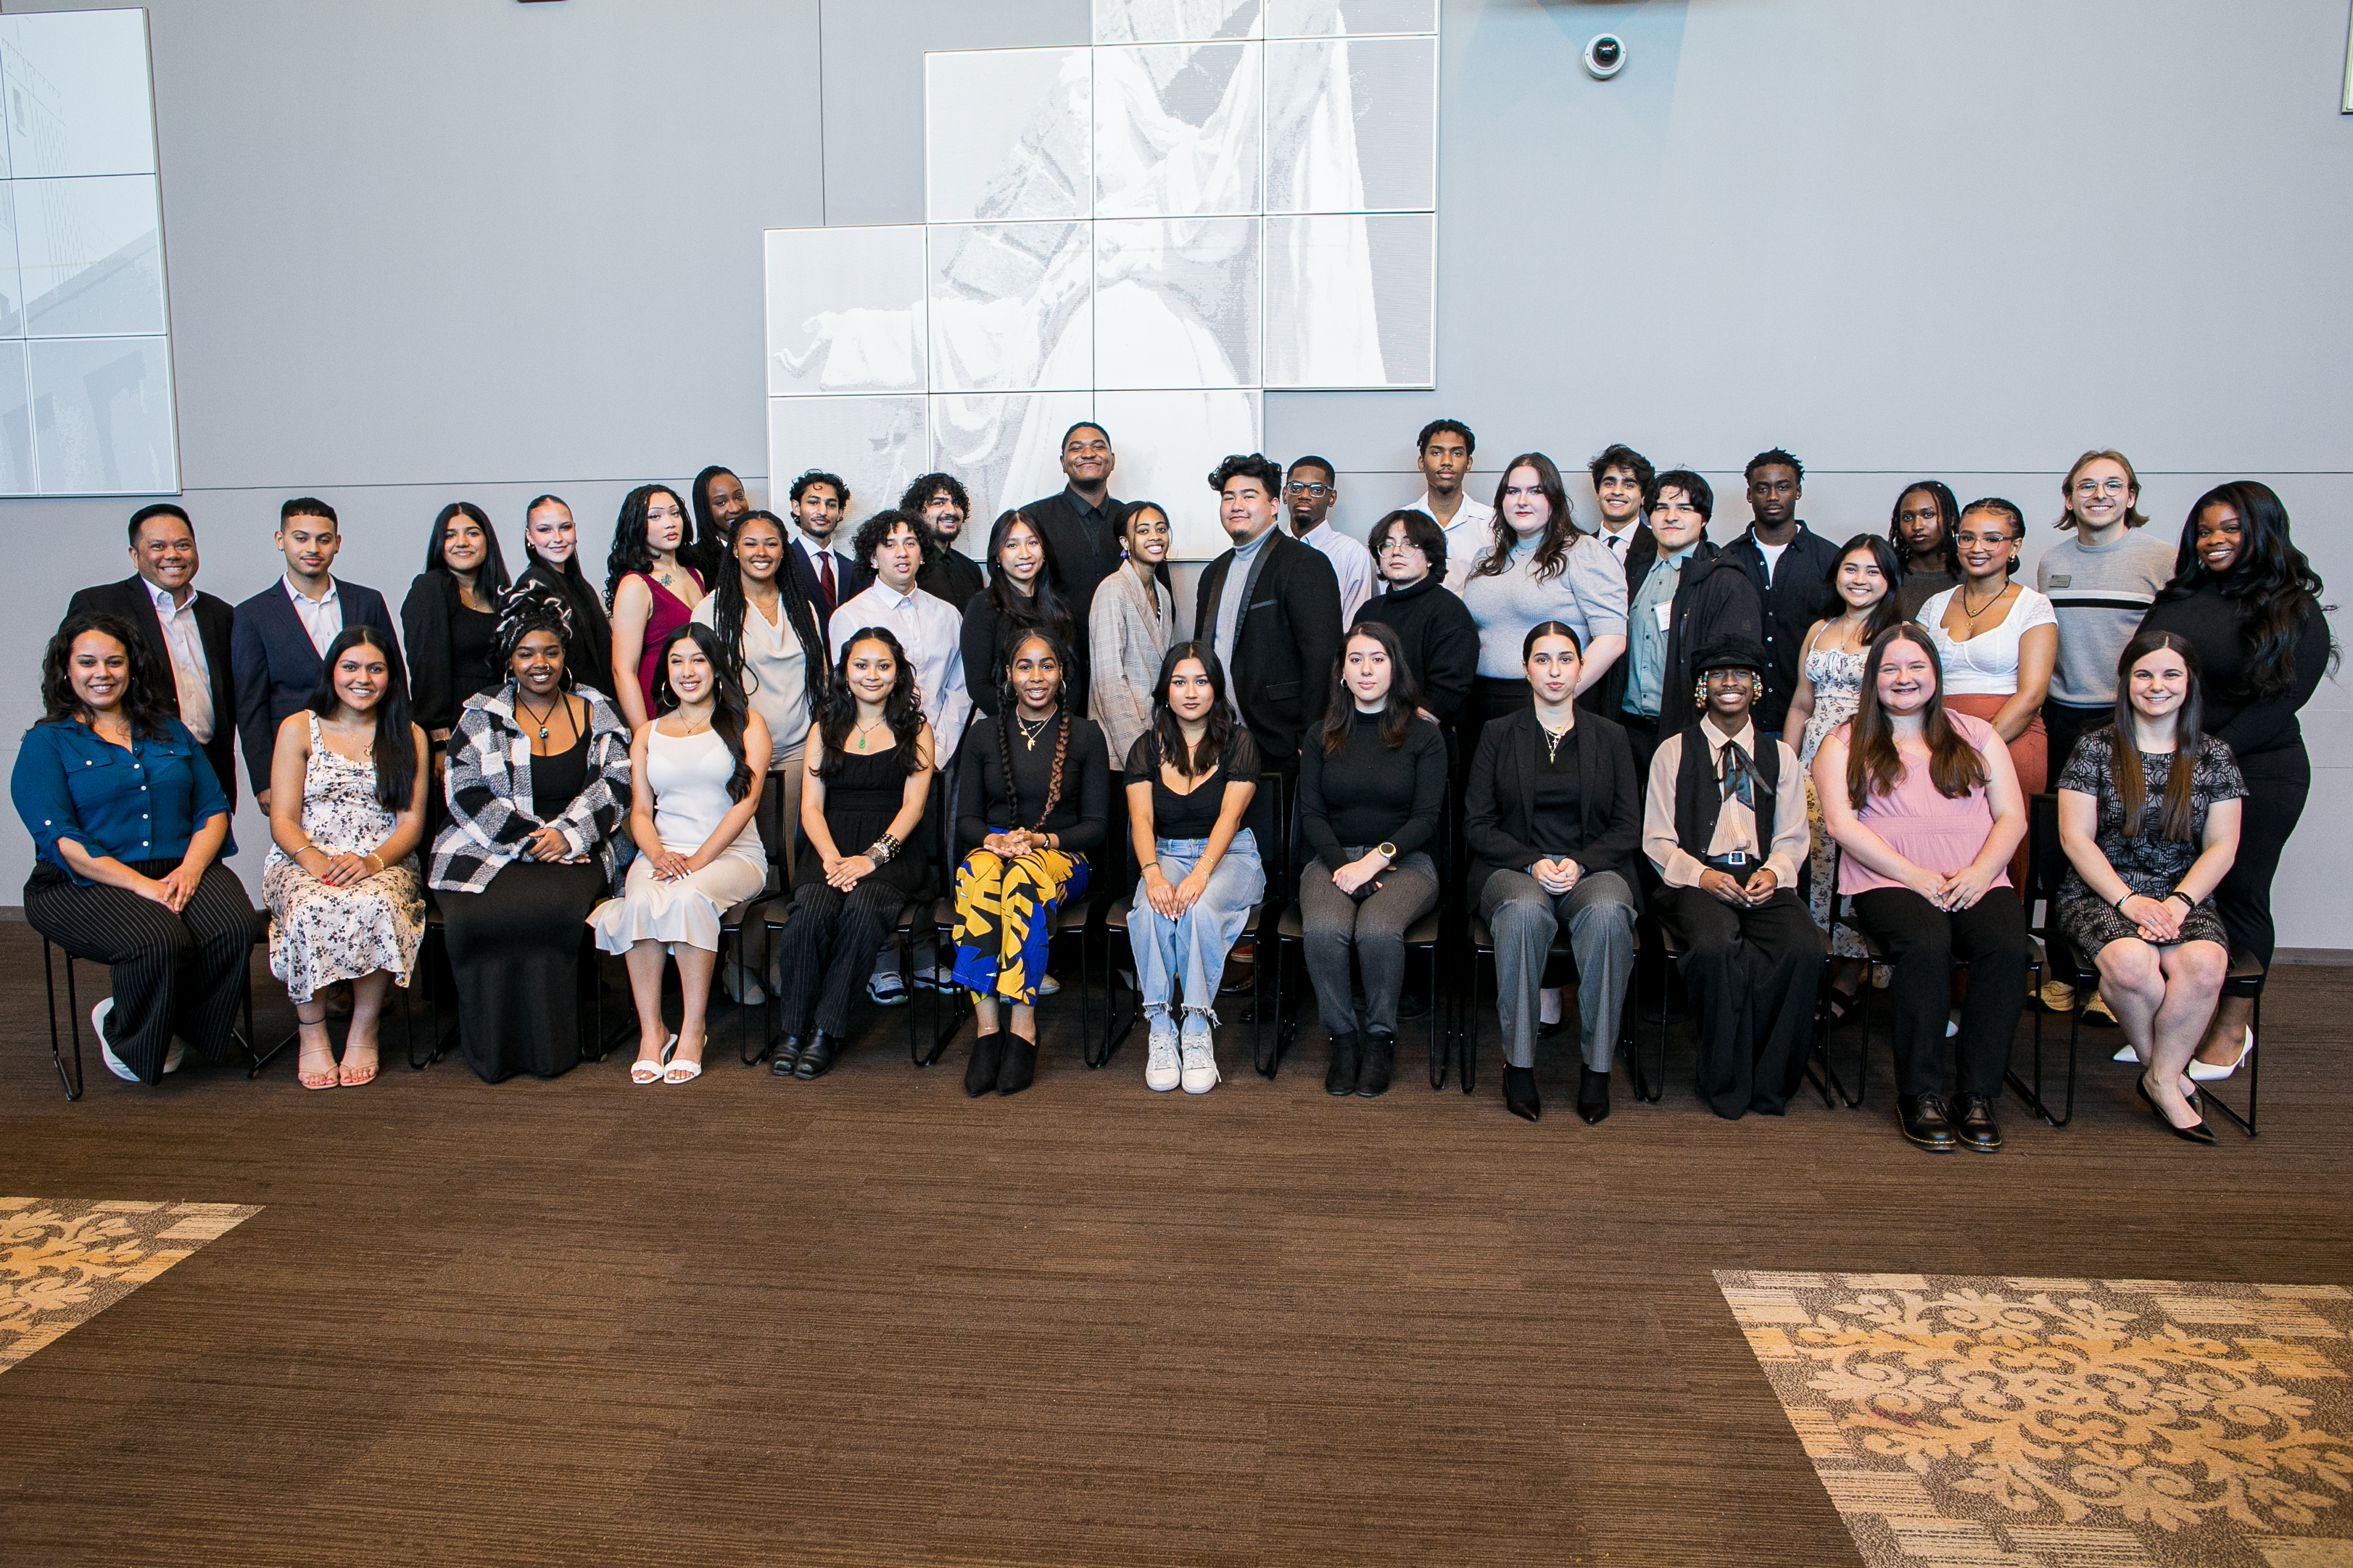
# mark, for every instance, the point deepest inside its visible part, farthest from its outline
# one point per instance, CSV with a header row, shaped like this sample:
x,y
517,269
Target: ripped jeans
x,y
1189,952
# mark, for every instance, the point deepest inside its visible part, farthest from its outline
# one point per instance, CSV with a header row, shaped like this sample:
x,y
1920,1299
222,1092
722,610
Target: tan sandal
x,y
327,1077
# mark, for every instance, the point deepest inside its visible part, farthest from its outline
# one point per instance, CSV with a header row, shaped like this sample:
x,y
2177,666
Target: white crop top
x,y
1986,665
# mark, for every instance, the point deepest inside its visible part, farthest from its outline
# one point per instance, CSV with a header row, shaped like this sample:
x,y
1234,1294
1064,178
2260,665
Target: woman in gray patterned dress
x,y
2147,836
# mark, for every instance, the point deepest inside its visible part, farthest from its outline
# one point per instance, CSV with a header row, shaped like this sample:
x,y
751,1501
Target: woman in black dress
x,y
551,543
2245,598
539,780
1024,594
447,620
869,760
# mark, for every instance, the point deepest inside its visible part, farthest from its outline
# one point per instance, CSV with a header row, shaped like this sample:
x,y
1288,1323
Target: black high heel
x,y
2201,1133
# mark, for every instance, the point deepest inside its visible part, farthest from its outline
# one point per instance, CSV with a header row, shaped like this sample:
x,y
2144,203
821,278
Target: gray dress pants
x,y
1375,925
1523,919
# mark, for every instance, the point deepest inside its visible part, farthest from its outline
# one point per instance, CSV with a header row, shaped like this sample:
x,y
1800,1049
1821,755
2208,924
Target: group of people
x,y
1783,752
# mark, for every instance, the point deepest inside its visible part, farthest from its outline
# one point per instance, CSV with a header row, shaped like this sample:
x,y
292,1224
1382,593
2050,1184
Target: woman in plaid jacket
x,y
538,785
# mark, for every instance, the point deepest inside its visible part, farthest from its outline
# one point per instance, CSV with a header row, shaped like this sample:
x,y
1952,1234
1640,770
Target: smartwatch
x,y
1387,852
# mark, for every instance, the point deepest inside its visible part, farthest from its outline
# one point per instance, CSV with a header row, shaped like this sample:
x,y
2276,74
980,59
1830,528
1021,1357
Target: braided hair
x,y
1007,702
530,606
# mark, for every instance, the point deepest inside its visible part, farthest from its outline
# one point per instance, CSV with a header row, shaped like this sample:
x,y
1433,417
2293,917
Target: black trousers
x,y
514,953
829,942
1751,975
173,974
2277,785
1990,939
2064,725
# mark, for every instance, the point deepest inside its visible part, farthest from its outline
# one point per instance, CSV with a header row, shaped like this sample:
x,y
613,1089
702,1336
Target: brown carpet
x,y
865,1321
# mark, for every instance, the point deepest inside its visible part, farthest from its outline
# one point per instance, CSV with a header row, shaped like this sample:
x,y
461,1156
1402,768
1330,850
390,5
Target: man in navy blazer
x,y
819,501
281,635
194,658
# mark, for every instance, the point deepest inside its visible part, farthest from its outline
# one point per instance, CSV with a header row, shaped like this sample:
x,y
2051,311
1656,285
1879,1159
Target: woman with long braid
x,y
1034,797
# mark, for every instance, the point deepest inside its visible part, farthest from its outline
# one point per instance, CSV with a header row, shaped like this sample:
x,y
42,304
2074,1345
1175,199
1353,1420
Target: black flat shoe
x,y
817,1057
1020,1069
981,1067
788,1057
1520,1093
1380,1060
1924,1121
1347,1064
2201,1133
1593,1095
1977,1127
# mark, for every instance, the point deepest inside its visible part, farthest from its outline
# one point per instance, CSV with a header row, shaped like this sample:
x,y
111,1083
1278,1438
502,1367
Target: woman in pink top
x,y
649,589
1926,809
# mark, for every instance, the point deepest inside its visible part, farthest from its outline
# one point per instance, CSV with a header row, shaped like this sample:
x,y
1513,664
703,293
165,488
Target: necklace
x,y
859,739
1972,616
1553,737
1029,732
541,719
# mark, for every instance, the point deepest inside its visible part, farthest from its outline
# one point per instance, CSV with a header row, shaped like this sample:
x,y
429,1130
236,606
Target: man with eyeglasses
x,y
1081,520
1309,493
1443,453
2100,581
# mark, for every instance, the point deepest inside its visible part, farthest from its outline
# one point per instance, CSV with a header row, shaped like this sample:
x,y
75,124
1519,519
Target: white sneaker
x,y
174,1057
743,986
114,1064
1160,1064
1200,1075
1049,986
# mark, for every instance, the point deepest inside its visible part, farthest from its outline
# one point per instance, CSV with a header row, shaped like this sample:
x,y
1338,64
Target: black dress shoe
x,y
1380,1060
981,1068
1520,1093
1924,1121
1593,1095
1347,1064
788,1056
817,1055
2201,1133
1021,1067
1977,1127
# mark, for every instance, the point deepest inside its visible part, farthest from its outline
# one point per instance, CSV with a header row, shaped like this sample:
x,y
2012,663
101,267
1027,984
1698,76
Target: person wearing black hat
x,y
1726,826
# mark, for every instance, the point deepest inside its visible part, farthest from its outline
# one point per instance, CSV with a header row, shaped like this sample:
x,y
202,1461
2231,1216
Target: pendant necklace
x,y
859,739
1553,737
1029,732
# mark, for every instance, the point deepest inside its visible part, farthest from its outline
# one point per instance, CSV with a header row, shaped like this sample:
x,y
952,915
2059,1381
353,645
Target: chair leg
x,y
2253,1066
1432,953
1266,1053
57,1056
951,997
2032,1095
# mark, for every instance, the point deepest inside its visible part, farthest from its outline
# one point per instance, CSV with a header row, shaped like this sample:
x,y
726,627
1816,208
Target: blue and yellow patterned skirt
x,y
1005,919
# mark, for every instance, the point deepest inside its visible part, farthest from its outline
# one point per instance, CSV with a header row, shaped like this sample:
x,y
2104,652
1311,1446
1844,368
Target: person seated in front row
x,y
869,773
1553,814
695,772
1372,781
1033,797
1726,826
1201,873
129,824
538,786
1926,810
346,813
2148,835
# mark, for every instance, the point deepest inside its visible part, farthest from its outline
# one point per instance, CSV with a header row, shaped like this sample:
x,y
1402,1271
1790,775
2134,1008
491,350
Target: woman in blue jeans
x,y
1189,778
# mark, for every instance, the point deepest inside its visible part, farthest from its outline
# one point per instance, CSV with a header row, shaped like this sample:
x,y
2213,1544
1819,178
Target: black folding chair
x,y
1482,947
72,1083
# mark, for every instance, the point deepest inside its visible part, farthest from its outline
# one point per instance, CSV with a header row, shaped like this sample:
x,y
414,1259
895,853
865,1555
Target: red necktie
x,y
825,576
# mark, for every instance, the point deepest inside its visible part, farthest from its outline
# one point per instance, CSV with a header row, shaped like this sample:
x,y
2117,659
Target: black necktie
x,y
1736,777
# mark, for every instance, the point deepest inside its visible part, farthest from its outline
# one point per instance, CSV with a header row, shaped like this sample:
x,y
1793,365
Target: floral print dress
x,y
1838,692
319,934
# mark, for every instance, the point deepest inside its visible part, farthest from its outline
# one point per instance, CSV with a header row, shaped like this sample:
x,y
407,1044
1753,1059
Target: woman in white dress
x,y
347,812
693,797
1829,688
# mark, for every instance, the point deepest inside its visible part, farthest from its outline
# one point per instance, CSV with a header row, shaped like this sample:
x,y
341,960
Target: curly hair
x,y
729,711
876,529
2270,583
920,495
1007,702
143,687
530,607
1251,466
1774,457
837,709
630,553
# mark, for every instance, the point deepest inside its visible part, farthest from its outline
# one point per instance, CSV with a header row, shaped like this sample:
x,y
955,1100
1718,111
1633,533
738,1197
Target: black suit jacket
x,y
851,578
1285,642
1712,597
1498,806
276,668
1799,594
131,600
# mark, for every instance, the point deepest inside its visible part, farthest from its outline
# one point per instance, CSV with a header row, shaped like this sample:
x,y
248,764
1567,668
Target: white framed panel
x,y
1178,129
1351,299
1176,303
12,286
1167,442
90,255
78,95
846,310
1352,125
1006,447
1326,19
1012,307
1175,21
878,446
102,416
1005,136
16,475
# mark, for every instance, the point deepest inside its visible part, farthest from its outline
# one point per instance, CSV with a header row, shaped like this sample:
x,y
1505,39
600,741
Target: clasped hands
x,y
173,889
1365,868
1173,898
548,844
1556,877
1762,884
1015,842
2157,920
844,872
1961,890
343,867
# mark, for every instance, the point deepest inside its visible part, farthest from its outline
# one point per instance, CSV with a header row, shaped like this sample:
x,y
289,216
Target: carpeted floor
x,y
865,1321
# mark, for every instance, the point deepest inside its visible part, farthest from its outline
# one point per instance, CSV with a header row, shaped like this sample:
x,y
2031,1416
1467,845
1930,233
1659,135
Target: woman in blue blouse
x,y
128,825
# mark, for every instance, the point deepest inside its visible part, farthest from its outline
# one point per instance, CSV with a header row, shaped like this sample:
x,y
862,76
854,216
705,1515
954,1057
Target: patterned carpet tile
x,y
2067,1423
65,1260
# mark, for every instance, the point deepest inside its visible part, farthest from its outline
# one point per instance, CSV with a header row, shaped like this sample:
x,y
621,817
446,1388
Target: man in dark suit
x,y
1271,608
830,576
281,635
1081,520
1621,479
193,648
1789,566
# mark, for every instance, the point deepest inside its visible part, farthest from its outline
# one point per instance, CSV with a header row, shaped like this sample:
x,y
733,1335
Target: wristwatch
x,y
1387,852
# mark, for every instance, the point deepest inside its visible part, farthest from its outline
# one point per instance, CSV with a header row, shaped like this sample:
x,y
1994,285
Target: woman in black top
x,y
2244,596
869,761
1921,528
1025,591
450,619
1439,639
551,545
1189,779
1372,782
1033,798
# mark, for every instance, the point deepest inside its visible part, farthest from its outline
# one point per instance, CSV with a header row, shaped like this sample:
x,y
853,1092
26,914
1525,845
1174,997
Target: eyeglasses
x,y
1312,492
1398,541
2096,486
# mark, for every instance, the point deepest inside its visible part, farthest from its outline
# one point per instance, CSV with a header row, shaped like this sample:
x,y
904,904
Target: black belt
x,y
1647,723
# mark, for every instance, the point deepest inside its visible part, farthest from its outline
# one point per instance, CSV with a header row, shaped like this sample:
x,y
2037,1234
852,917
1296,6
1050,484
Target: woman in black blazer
x,y
450,619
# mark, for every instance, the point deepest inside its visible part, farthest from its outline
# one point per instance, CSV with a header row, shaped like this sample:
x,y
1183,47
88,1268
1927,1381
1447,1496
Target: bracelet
x,y
1147,866
296,852
2128,893
882,851
2186,901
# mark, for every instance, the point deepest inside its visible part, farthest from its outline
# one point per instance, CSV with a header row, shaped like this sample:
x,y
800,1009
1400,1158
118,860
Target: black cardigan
x,y
1439,638
1079,818
1500,804
435,689
952,575
2250,727
983,643
1367,794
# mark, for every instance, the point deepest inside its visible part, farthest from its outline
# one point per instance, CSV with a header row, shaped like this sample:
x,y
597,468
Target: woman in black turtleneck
x,y
1372,782
1436,633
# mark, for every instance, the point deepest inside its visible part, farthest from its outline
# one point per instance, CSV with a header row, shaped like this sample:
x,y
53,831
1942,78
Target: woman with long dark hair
x,y
2246,599
652,588
1024,594
1927,809
347,788
868,764
450,616
1920,529
1131,629
128,825
1372,781
719,502
1033,799
694,786
551,547
2148,813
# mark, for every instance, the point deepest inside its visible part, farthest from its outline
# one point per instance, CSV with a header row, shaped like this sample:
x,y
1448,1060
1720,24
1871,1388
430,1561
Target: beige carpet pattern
x,y
65,1260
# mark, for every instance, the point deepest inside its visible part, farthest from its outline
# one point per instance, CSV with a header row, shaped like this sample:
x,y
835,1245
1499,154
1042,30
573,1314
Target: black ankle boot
x,y
1520,1093
1347,1051
1021,1065
1380,1060
817,1055
980,1070
788,1056
1593,1095
1924,1121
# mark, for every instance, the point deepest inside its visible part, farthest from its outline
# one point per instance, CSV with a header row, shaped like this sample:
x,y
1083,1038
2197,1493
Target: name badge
x,y
2061,579
1665,611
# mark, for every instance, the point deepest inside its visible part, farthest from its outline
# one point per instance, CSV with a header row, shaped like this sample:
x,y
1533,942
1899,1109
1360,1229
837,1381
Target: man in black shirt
x,y
942,502
1081,520
1789,566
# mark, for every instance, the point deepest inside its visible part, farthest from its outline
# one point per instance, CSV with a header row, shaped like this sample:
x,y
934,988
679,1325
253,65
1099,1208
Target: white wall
x,y
475,249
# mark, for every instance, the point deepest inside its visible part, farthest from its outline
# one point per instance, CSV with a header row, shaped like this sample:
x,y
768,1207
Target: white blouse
x,y
1986,665
776,677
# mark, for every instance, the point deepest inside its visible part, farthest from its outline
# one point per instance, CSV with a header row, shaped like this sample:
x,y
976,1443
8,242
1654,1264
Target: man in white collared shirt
x,y
1444,455
1308,493
892,544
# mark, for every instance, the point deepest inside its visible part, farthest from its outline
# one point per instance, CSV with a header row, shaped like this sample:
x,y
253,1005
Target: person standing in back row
x,y
830,576
1443,452
1270,608
1790,565
2101,582
1309,493
1621,485
1081,520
